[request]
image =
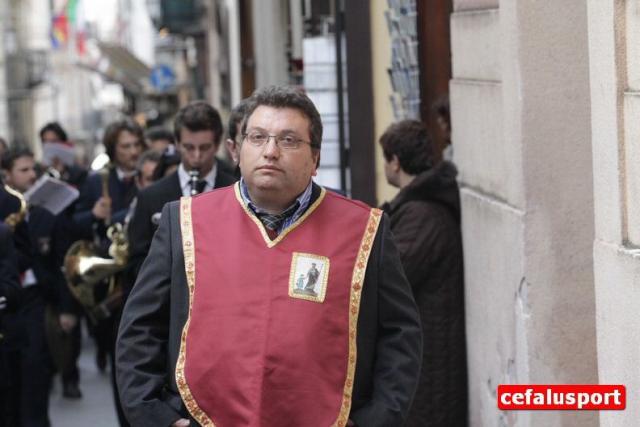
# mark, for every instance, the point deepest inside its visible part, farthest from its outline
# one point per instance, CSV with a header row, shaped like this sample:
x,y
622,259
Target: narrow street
x,y
96,408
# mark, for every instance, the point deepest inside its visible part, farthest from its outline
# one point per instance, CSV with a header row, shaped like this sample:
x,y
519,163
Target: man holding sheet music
x,y
41,241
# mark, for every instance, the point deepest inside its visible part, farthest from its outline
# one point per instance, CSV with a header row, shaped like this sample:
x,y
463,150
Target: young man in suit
x,y
124,142
41,244
198,131
95,211
213,330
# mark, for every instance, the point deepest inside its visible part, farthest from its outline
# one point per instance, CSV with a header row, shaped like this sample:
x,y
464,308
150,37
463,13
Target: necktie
x,y
201,185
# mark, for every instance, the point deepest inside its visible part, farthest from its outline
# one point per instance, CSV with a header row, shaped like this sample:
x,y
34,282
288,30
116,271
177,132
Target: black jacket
x,y
42,240
146,216
425,221
121,196
388,340
9,282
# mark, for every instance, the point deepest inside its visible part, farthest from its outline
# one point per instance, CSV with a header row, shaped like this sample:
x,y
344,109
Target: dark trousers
x,y
64,347
29,359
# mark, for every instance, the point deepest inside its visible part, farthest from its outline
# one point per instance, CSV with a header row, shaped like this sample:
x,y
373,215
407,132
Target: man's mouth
x,y
270,168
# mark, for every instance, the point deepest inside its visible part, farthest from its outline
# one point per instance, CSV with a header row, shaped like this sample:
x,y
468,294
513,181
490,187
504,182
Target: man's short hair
x,y
112,133
409,140
148,156
55,128
287,97
236,117
157,133
9,158
170,157
198,116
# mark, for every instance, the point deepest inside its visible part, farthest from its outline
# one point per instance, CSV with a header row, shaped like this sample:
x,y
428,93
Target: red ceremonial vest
x,y
270,340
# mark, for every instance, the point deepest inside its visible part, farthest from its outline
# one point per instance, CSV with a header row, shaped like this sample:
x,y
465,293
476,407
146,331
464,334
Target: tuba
x,y
88,272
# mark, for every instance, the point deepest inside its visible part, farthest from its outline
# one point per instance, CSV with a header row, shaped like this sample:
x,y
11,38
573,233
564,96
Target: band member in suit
x,y
213,330
198,131
124,142
53,133
40,252
96,209
9,303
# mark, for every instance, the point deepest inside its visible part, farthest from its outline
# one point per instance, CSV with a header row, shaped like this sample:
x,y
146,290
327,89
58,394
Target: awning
x,y
118,64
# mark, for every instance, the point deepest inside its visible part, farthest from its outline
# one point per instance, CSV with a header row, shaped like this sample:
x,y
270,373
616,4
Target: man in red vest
x,y
216,331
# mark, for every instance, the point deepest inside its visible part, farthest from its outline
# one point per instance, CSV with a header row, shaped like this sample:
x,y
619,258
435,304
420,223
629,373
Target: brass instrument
x,y
86,270
194,174
12,220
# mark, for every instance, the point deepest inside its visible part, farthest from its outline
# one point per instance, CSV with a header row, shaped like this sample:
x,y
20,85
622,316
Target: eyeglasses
x,y
259,138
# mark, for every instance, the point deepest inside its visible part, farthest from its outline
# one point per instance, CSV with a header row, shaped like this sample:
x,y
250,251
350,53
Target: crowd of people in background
x,y
41,315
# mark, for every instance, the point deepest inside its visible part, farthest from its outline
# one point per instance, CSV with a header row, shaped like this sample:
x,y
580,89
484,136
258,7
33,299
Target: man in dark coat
x,y
198,131
425,221
274,216
9,303
95,211
124,142
41,241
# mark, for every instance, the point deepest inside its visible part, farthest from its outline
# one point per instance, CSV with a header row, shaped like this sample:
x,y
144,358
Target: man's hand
x,y
67,321
182,422
102,208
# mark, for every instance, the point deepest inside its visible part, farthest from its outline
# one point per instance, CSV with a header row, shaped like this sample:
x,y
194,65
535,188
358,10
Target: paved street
x,y
96,408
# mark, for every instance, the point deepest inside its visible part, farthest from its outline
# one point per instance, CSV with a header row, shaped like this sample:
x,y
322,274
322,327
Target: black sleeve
x,y
83,217
141,352
9,281
63,238
399,343
140,233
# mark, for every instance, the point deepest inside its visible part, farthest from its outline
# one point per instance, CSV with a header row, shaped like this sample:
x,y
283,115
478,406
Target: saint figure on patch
x,y
308,276
312,277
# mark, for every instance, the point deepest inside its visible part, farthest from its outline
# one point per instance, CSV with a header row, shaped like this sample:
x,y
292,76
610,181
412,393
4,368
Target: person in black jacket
x,y
425,221
275,216
69,172
65,346
9,303
41,242
198,131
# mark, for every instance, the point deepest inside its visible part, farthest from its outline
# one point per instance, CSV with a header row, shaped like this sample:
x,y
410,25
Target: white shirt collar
x,y
122,174
185,181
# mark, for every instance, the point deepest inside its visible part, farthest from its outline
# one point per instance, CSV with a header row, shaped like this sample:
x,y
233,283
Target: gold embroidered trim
x,y
188,248
357,281
323,284
271,243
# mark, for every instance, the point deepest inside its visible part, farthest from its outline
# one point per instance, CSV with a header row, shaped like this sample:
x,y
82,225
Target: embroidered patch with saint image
x,y
308,277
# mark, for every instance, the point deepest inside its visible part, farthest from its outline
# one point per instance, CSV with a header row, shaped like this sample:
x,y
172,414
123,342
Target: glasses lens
x,y
257,137
288,142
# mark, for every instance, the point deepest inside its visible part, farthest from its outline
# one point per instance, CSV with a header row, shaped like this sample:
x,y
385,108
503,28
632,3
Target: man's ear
x,y
232,148
317,160
395,163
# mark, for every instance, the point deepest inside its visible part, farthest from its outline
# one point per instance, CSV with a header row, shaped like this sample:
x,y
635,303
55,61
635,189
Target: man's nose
x,y
270,148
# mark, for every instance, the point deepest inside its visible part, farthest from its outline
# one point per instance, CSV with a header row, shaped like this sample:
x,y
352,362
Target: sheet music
x,y
52,194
